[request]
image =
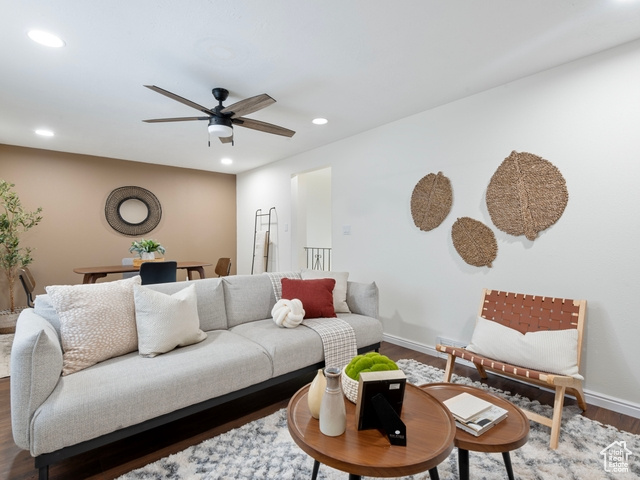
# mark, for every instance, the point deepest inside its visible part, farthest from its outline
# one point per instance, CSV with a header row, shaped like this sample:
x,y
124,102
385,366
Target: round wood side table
x,y
507,435
430,433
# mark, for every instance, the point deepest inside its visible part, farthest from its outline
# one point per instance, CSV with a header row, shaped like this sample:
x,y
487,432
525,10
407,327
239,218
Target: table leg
x,y
463,463
316,466
433,474
190,271
353,476
92,277
507,463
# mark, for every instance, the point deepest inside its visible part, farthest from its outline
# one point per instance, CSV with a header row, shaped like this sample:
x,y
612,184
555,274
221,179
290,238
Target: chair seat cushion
x,y
551,351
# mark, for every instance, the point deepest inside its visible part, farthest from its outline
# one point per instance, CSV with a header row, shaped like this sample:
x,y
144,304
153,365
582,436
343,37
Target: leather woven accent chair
x,y
528,314
158,272
28,283
223,267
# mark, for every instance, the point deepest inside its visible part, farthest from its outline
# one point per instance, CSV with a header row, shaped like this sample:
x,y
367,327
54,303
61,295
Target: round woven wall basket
x,y
527,194
474,241
431,201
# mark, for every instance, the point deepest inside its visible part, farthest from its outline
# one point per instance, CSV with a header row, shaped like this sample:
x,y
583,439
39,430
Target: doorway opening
x,y
311,222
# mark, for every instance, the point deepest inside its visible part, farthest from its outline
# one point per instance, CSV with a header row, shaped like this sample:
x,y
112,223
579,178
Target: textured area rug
x,y
263,449
5,354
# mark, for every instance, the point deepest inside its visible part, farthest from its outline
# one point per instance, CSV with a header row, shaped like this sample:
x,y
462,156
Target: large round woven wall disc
x,y
527,194
431,201
132,210
474,241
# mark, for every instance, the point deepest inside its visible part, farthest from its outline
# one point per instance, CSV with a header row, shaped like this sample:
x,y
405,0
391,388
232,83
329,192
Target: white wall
x,y
584,118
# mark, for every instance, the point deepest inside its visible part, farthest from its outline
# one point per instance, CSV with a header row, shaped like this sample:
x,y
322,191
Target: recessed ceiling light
x,y
45,38
319,121
226,161
44,132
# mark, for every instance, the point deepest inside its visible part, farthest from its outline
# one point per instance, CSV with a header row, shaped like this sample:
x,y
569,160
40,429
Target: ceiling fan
x,y
221,119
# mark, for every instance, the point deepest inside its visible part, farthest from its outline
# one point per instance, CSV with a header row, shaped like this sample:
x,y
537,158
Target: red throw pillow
x,y
316,295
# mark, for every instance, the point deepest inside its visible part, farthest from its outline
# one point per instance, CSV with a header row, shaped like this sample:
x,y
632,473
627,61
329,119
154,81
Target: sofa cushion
x,y
97,321
288,348
247,298
130,389
210,293
368,330
362,298
339,291
316,295
165,322
42,306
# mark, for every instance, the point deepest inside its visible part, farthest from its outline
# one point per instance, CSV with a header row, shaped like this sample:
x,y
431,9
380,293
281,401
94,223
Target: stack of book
x,y
474,415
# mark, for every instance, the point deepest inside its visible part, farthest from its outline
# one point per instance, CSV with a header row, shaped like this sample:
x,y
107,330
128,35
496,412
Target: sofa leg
x,y
43,473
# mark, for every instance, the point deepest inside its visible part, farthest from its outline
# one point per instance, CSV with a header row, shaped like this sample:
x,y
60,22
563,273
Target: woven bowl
x,y
349,387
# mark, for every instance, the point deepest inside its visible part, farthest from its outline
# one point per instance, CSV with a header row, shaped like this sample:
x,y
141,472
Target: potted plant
x,y
14,221
146,249
369,362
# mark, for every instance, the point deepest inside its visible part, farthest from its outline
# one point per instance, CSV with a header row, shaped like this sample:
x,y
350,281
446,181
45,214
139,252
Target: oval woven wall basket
x,y
431,201
527,194
474,241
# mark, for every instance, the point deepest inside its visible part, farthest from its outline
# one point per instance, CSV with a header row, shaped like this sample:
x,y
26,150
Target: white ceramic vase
x,y
333,415
315,394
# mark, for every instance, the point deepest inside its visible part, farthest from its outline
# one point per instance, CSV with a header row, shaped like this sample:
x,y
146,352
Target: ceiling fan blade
x,y
179,119
226,139
180,99
262,126
249,105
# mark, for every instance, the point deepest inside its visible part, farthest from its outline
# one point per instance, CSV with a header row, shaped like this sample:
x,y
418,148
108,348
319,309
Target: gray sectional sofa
x,y
56,417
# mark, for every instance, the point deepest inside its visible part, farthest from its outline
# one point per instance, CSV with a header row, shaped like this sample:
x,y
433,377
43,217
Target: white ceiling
x,y
359,63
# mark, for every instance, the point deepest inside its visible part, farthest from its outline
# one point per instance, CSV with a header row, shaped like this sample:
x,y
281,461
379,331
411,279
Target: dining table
x,y
92,274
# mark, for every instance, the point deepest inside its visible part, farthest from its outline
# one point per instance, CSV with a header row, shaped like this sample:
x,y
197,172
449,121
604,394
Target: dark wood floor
x,y
118,458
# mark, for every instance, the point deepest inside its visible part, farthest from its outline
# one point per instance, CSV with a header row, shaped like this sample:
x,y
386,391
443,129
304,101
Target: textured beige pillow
x,y
339,291
553,351
166,321
97,321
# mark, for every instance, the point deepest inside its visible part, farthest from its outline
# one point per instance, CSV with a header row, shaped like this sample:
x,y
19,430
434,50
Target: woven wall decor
x,y
474,241
431,201
527,194
114,216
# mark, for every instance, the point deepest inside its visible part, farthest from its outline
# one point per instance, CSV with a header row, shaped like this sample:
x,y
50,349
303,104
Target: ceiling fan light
x,y
220,127
220,130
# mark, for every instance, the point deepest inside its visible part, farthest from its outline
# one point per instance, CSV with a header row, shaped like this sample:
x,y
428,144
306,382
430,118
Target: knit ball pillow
x,y
288,313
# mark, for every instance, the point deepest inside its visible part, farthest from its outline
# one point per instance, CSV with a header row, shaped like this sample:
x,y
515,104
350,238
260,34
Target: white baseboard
x,y
592,398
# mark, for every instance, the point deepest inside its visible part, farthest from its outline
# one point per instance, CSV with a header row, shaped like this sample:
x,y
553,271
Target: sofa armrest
x,y
36,366
362,298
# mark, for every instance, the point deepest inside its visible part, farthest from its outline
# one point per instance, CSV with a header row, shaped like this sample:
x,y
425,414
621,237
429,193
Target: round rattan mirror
x,y
132,210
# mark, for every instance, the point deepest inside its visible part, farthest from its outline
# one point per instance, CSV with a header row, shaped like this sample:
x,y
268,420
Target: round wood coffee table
x,y
430,433
509,434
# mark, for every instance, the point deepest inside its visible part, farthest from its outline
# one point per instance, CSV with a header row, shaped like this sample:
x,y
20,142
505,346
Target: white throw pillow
x,y
552,351
166,321
339,291
97,321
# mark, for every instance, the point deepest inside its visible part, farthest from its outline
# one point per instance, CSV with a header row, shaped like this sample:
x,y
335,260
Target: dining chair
x,y
28,283
128,261
158,272
223,267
